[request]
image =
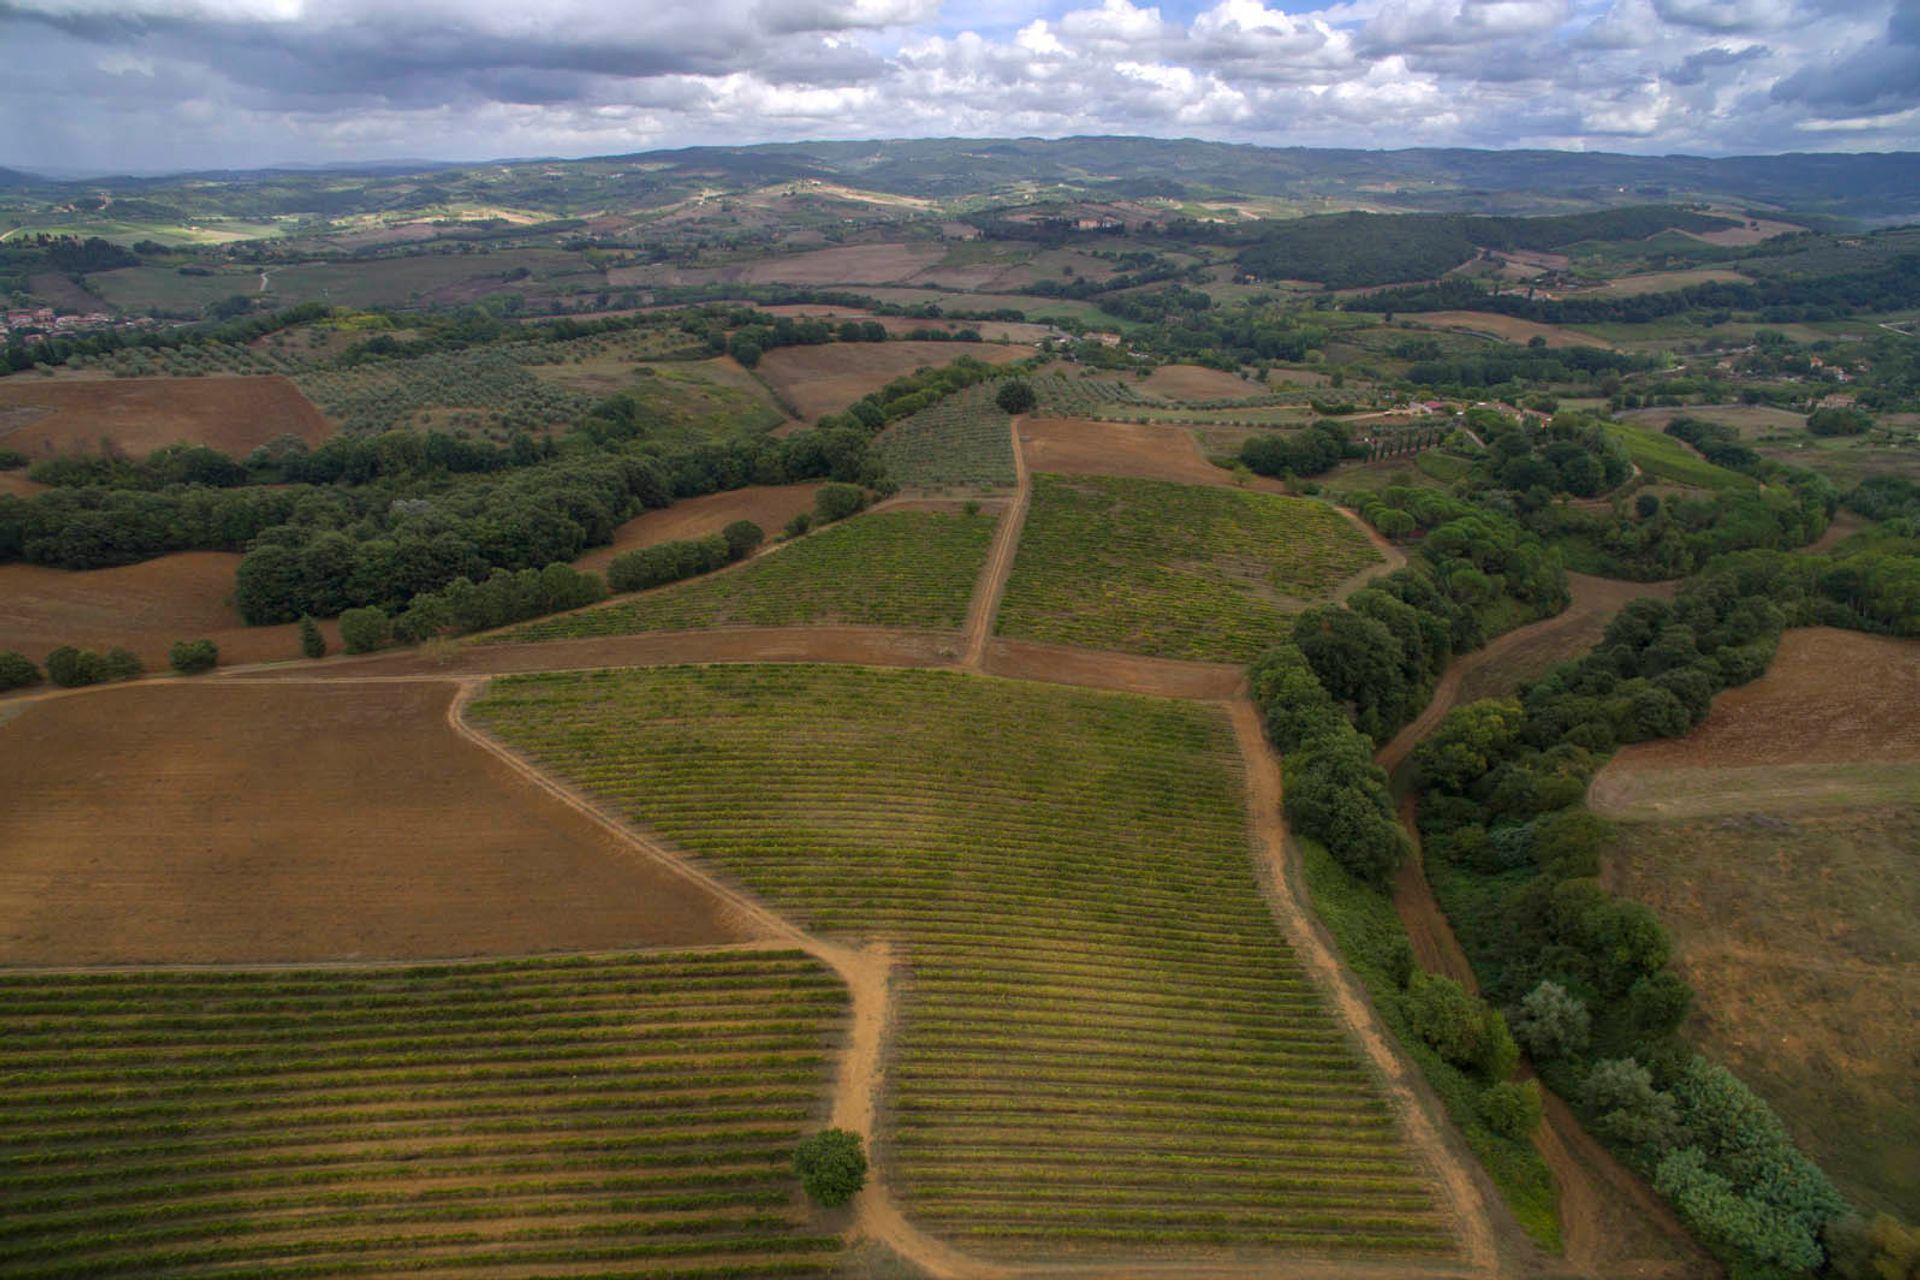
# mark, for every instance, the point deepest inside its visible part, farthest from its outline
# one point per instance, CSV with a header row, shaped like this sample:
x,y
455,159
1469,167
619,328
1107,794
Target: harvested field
x,y
908,569
218,822
1802,935
849,264
1662,281
1105,1043
1752,232
1506,328
1750,420
1197,382
769,506
17,484
135,416
144,607
827,378
618,1113
1172,570
1081,446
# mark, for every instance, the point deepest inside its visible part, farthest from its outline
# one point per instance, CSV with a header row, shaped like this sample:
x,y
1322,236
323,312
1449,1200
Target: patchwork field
x,y
1176,571
144,607
42,417
964,441
628,1114
1104,1044
1507,328
219,822
910,569
827,378
769,506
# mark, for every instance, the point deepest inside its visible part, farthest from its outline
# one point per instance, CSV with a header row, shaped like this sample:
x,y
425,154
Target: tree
x,y
837,502
743,537
312,643
121,664
745,350
192,657
1016,395
1550,1023
70,668
1446,1017
1626,1108
832,1166
1470,741
1512,1108
17,671
1838,422
363,630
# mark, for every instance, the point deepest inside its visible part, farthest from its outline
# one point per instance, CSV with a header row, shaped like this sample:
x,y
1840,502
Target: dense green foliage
x,y
71,668
17,671
832,1166
501,598
666,562
193,657
1315,451
312,643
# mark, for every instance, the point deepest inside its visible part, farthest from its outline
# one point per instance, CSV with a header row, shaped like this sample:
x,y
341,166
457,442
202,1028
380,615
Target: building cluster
x,y
28,324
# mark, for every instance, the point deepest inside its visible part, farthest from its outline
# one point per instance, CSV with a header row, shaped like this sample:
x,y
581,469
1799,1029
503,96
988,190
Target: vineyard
x,y
505,1118
1104,1043
1073,397
964,441
909,569
1172,570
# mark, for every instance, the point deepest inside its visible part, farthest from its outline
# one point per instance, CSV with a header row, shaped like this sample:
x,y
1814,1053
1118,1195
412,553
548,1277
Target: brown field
x,y
1197,382
1081,446
135,416
1662,281
1743,235
1750,420
17,484
1508,328
769,506
218,822
143,607
846,264
826,379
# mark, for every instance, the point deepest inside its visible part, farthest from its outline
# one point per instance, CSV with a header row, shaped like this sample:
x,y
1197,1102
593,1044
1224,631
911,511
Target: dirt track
x,y
984,607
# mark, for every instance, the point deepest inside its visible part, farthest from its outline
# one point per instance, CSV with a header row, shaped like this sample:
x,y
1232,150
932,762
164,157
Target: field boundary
x,y
992,587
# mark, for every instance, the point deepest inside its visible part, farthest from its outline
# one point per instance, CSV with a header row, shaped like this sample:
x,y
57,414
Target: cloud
x,y
153,84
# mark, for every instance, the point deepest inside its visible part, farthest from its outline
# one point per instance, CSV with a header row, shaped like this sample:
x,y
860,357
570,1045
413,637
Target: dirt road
x,y
985,605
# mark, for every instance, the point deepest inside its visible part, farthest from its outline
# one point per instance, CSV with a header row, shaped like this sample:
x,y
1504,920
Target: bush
x,y
312,643
17,671
1838,422
799,525
121,664
12,459
1016,395
666,562
1551,1023
363,630
743,539
71,668
1626,1108
837,502
832,1166
192,657
1512,1108
1446,1017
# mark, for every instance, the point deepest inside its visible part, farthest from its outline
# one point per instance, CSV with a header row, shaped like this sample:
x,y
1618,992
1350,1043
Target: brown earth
x,y
228,822
135,416
849,264
1197,382
143,607
826,379
17,484
1743,235
1082,446
1129,673
769,506
1507,328
1661,281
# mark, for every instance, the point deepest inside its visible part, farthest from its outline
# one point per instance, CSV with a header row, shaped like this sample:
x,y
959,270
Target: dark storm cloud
x,y
1884,76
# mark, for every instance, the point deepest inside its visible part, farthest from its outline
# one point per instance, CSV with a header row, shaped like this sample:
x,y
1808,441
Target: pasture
x,y
1172,570
909,569
1104,1045
220,822
627,1114
817,380
43,417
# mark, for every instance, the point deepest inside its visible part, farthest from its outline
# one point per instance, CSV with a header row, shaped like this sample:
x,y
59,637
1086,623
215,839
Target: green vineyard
x,y
910,569
1172,570
608,1116
1071,397
964,441
1103,1041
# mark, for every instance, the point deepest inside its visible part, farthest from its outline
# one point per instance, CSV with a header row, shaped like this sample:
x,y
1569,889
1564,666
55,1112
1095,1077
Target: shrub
x,y
312,643
799,525
1446,1017
192,657
363,630
666,562
121,664
1838,422
837,502
1551,1023
12,459
70,668
743,538
1626,1108
17,671
1016,395
832,1166
1512,1108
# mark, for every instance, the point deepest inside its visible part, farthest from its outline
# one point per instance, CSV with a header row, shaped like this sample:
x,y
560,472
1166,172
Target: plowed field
x,y
135,416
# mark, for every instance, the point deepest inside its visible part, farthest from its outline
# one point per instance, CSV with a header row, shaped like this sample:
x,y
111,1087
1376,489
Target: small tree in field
x,y
17,671
363,630
312,643
192,657
743,537
1512,1109
1016,396
832,1166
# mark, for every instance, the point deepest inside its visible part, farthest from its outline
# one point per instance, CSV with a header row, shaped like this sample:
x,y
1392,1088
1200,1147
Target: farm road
x,y
985,605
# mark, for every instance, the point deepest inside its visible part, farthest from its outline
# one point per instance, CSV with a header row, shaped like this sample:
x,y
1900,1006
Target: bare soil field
x,y
1508,328
1081,446
227,822
17,484
1757,230
1803,936
143,607
769,506
1662,281
848,264
1131,673
826,379
1197,382
135,416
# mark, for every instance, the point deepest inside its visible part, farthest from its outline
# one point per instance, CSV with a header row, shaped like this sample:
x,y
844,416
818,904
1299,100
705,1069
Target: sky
x,y
165,85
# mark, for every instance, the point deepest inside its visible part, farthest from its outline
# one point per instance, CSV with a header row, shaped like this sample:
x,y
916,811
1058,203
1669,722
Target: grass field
x,y
620,1113
1665,458
1104,1042
910,569
1176,571
964,441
